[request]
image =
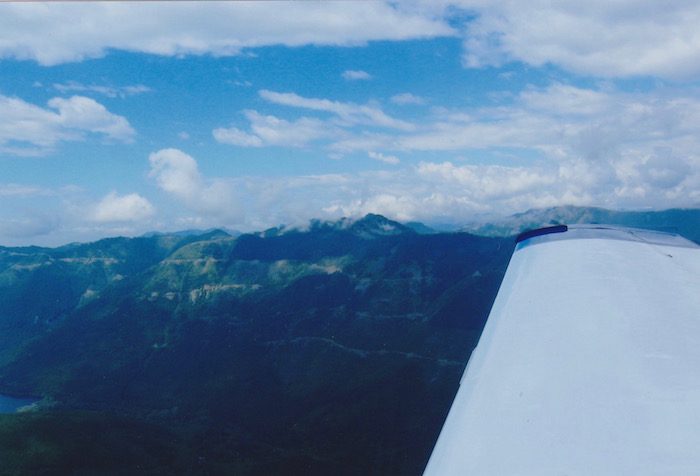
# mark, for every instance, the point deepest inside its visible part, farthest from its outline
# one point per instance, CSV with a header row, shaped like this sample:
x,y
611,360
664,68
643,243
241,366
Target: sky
x,y
125,118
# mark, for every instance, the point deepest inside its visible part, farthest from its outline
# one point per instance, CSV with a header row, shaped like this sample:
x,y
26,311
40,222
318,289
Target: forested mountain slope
x,y
335,349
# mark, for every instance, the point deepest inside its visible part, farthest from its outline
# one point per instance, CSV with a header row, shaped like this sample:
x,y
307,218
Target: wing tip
x,y
526,235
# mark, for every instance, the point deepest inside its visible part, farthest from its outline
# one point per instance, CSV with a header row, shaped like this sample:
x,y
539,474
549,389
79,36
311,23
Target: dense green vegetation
x,y
332,350
87,443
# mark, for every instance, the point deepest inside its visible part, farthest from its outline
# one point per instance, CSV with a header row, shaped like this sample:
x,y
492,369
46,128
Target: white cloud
x,y
86,114
407,98
56,33
560,144
17,190
109,91
235,136
576,146
356,75
53,217
445,192
177,173
487,182
665,170
434,191
269,130
565,100
556,123
606,39
30,130
429,191
15,231
600,38
121,208
350,113
387,159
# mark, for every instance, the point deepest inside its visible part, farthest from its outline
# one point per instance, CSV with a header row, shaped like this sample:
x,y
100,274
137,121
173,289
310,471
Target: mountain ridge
x,y
683,221
674,220
324,326
332,348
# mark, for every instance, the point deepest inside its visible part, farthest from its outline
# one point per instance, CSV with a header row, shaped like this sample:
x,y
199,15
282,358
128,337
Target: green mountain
x,y
332,349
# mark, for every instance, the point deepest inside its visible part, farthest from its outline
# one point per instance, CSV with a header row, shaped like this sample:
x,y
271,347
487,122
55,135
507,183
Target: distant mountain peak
x,y
210,233
368,226
373,225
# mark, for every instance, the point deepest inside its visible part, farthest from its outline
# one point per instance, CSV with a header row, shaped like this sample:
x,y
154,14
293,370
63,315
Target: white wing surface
x,y
589,362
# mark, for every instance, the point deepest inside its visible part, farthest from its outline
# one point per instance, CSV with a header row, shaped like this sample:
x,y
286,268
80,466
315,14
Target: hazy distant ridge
x,y
685,222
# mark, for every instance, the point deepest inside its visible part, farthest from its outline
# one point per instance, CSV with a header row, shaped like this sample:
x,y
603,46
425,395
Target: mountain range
x,y
685,222
332,349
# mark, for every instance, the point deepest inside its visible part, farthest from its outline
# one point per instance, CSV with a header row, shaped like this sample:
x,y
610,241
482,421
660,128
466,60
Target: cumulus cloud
x,y
605,39
486,181
356,75
30,130
54,217
177,173
122,208
81,113
65,32
433,191
447,192
430,191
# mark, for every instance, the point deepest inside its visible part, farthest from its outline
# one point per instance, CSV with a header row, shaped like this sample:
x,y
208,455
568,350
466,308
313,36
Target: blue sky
x,y
123,118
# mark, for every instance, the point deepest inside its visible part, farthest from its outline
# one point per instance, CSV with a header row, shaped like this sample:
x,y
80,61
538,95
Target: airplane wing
x,y
589,362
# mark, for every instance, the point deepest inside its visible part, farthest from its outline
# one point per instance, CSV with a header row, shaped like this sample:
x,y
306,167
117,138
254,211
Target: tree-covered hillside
x,y
331,350
334,349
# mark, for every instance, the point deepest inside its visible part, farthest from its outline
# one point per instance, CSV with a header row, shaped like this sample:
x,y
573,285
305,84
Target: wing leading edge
x,y
589,362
